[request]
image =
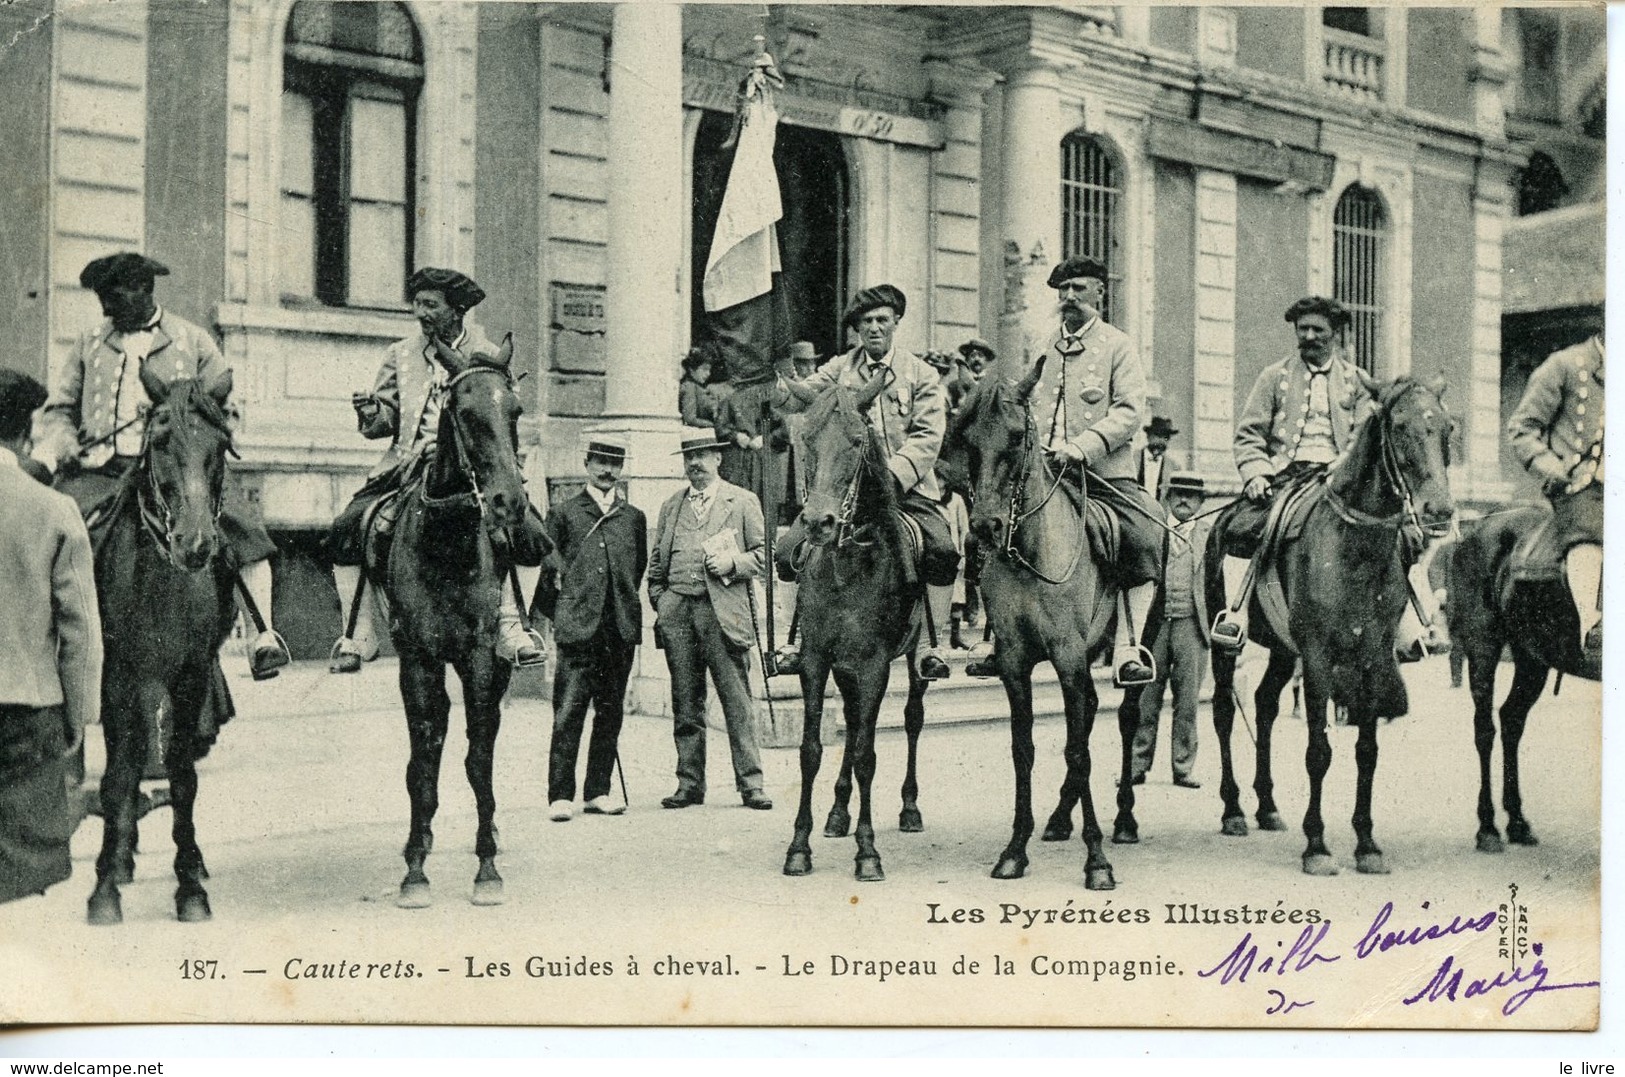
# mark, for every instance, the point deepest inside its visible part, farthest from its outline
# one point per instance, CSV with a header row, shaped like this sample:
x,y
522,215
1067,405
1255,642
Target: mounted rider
x,y
404,406
1089,403
1303,413
93,429
911,419
1556,432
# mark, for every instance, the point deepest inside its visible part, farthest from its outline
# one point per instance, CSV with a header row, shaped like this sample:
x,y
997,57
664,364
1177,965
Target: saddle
x,y
1100,524
1538,557
1283,525
936,560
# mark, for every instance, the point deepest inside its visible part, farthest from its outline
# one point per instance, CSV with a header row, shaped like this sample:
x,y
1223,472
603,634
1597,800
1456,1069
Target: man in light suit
x,y
51,636
911,417
404,406
708,551
94,424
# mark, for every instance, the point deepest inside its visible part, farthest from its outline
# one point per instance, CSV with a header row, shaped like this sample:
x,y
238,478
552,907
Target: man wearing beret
x,y
50,681
1302,414
589,590
1556,432
1089,403
94,424
404,406
911,418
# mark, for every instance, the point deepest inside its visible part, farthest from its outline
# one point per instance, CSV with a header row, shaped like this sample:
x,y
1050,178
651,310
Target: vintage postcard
x,y
519,397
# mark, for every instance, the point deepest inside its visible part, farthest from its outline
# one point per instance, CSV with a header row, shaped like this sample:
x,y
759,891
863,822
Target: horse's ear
x,y
1367,382
800,390
504,355
872,390
220,388
450,358
1024,388
156,387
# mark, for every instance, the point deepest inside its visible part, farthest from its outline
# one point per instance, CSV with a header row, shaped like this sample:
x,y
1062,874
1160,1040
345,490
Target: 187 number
x,y
196,968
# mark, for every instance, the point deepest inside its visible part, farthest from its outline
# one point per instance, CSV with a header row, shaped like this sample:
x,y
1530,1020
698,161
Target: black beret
x,y
20,397
881,295
460,290
125,267
1330,309
1073,268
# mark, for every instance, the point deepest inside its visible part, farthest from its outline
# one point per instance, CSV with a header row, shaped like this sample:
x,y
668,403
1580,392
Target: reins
x,y
157,518
1392,472
460,442
1015,515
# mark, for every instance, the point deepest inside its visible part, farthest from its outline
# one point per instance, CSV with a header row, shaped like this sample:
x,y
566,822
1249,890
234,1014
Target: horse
x,y
1046,599
1536,620
857,612
1344,581
167,606
443,577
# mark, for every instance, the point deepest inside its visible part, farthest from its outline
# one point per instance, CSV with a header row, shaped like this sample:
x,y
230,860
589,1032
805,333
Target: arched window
x,y
1091,221
1359,268
351,78
1540,185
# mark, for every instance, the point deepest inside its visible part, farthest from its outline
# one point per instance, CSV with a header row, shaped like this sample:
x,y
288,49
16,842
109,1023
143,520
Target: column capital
x,y
960,83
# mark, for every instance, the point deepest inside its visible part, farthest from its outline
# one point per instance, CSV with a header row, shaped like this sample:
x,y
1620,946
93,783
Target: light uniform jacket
x,y
408,385
51,633
1271,424
1559,419
1104,389
732,509
84,386
911,414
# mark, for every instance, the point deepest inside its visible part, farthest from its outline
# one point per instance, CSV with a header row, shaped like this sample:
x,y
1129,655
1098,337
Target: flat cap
x,y
125,267
458,288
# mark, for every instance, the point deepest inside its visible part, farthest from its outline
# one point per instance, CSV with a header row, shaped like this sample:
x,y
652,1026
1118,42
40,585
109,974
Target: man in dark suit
x,y
1180,625
1154,465
707,553
50,681
589,590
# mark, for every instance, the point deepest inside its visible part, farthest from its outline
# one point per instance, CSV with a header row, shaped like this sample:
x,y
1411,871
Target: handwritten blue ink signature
x,y
1447,984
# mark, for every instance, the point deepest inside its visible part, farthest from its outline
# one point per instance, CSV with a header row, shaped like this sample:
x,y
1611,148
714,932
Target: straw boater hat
x,y
700,442
1186,482
608,447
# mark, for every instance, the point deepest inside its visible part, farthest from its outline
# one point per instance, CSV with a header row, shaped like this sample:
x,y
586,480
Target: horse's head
x,y
478,443
1415,428
838,448
993,434
183,471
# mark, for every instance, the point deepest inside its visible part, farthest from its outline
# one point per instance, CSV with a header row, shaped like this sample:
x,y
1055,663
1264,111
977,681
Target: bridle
x,y
157,516
473,495
1015,514
1392,473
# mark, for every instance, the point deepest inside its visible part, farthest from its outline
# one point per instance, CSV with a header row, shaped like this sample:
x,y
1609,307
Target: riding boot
x,y
1229,632
1410,637
1131,662
350,651
930,659
269,652
1584,566
515,643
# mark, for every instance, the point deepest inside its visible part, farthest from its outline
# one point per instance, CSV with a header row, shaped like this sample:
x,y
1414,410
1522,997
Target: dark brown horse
x,y
857,613
1345,587
1047,600
1489,614
166,601
447,566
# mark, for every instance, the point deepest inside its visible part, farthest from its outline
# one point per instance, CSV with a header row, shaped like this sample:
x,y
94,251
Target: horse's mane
x,y
188,395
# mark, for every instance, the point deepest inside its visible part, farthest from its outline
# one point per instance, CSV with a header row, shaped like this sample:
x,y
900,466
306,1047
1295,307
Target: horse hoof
x,y
909,821
1370,864
1099,879
414,896
1490,842
838,825
105,910
193,908
1521,834
1127,832
867,870
798,862
1233,826
488,892
1319,864
1010,867
1054,831
1271,820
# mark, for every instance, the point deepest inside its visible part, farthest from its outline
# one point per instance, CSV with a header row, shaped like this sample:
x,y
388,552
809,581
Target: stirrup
x,y
529,655
785,662
982,662
932,666
342,659
1228,635
1145,674
273,659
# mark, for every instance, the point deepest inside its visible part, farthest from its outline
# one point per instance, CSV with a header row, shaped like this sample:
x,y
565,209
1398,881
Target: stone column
x,y
1030,213
643,306
1491,210
1215,365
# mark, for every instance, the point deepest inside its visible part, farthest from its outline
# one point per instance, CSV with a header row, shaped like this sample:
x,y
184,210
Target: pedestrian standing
x,y
51,635
589,590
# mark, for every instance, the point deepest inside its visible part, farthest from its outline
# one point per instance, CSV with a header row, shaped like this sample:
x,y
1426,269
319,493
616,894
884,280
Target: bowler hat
x,y
1186,482
458,288
804,351
125,267
881,295
608,446
699,443
1161,426
977,344
1076,267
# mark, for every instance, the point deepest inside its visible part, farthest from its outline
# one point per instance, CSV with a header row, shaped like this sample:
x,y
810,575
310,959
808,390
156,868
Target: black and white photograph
x,y
1119,490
